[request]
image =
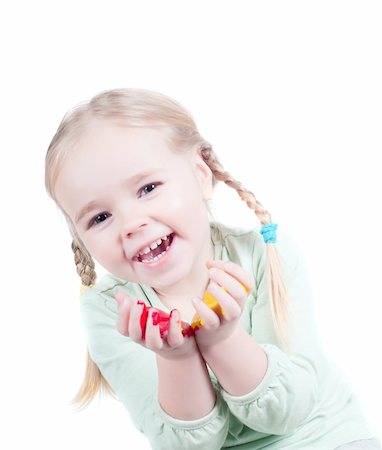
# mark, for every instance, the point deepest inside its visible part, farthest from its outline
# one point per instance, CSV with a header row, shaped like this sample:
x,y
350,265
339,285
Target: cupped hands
x,y
170,344
230,285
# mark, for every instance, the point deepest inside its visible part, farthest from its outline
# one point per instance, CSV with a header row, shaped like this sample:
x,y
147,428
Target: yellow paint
x,y
197,321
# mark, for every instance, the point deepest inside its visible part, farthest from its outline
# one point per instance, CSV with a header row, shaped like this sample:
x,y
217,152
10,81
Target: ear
x,y
203,173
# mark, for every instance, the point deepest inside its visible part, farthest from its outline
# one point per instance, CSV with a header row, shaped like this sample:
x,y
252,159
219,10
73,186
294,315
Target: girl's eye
x,y
98,219
149,186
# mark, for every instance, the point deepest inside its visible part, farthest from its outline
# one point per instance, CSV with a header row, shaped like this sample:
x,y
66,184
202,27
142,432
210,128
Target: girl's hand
x,y
173,345
218,327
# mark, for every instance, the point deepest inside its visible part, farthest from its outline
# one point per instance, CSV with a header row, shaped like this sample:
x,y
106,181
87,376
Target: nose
x,y
133,218
129,231
132,222
130,237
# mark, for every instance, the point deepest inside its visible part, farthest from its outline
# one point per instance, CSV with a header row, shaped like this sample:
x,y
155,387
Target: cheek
x,y
186,212
188,203
97,245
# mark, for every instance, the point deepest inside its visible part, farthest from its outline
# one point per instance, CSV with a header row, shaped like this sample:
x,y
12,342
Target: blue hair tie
x,y
269,232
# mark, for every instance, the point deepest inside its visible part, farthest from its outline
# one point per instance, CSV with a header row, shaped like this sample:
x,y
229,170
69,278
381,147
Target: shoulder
x,y
247,243
105,286
224,231
236,239
101,297
247,234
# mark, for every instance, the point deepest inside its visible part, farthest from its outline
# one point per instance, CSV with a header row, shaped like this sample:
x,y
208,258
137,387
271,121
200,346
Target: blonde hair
x,y
145,108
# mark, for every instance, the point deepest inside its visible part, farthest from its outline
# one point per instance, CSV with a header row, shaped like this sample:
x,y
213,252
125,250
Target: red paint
x,y
143,318
162,319
188,332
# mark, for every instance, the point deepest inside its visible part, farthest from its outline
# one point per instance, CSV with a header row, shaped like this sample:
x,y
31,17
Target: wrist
x,y
235,337
238,362
183,353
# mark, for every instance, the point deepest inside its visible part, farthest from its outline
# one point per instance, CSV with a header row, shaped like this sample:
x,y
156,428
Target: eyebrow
x,y
130,181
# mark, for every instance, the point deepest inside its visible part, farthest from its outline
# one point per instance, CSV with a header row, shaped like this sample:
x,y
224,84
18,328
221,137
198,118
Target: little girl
x,y
204,332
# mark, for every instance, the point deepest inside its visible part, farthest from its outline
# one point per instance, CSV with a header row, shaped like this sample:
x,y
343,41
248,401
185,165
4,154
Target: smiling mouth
x,y
158,253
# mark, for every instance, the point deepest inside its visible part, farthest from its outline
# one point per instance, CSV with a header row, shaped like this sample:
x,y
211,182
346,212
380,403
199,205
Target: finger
x,y
153,340
236,271
135,330
175,336
120,296
122,322
231,308
231,284
210,320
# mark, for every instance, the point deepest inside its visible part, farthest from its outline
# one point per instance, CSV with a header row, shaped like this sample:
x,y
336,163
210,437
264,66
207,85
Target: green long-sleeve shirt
x,y
303,401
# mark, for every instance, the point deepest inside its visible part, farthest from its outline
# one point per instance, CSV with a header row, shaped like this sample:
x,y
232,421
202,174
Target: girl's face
x,y
124,189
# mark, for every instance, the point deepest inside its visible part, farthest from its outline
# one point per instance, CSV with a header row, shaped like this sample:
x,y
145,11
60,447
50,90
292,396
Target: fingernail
x,y
142,306
175,314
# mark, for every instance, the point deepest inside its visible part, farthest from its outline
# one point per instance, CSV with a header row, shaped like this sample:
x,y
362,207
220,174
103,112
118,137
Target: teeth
x,y
154,259
153,246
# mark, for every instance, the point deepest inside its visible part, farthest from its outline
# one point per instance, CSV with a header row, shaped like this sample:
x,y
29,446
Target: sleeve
x,y
131,371
288,393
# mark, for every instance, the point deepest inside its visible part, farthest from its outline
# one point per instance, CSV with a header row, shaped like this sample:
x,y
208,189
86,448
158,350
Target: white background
x,y
288,93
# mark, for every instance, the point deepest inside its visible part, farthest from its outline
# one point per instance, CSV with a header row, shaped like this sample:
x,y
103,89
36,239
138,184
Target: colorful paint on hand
x,y
197,321
162,319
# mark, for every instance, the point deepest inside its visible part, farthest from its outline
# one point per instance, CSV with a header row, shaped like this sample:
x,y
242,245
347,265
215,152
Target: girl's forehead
x,y
111,150
133,144
134,138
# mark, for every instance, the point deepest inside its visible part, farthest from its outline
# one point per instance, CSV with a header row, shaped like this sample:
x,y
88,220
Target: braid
x,y
279,299
84,265
220,174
